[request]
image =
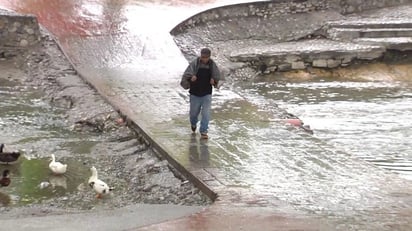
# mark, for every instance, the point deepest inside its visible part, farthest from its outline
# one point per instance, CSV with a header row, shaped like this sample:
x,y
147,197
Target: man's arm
x,y
215,72
216,76
188,73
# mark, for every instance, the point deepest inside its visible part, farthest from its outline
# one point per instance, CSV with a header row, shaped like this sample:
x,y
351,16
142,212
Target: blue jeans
x,y
200,105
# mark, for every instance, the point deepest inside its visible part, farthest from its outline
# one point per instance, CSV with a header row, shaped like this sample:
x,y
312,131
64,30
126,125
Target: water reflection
x,y
4,199
33,173
199,152
4,182
58,181
5,179
31,180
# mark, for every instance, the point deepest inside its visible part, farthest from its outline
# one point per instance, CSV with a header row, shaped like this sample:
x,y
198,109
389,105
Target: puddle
x,y
32,181
30,124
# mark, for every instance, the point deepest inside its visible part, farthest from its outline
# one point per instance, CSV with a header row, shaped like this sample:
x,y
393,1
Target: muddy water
x,y
363,114
29,124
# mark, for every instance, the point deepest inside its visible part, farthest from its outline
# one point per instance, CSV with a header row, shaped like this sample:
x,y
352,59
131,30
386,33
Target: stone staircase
x,y
298,41
344,42
295,55
392,34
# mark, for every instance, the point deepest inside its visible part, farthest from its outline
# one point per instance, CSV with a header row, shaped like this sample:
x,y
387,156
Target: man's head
x,y
205,55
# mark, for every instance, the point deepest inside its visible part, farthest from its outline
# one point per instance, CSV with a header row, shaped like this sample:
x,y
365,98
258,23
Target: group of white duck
x,y
57,168
99,186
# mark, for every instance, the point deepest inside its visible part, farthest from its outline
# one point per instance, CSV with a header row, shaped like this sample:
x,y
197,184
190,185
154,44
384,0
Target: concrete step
x,y
301,54
354,33
393,43
371,23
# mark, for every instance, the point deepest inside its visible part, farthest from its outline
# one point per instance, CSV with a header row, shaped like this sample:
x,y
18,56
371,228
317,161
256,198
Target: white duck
x,y
57,167
99,186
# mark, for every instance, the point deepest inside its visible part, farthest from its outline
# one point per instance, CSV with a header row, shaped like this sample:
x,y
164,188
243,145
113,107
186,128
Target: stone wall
x,y
353,6
278,8
18,31
262,10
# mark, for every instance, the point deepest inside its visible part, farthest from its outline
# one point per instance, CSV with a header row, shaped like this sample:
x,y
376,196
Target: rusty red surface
x,y
224,218
64,18
294,122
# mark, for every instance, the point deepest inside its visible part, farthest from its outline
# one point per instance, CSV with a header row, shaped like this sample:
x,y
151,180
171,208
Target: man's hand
x,y
215,83
194,78
212,82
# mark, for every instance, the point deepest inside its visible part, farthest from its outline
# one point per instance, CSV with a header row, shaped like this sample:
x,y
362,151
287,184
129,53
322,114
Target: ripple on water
x,y
369,119
361,131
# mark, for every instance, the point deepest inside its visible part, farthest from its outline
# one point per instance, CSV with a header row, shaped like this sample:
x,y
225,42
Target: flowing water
x,y
366,118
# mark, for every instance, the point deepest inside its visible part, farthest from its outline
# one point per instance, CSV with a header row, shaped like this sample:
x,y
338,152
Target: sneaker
x,y
204,136
193,128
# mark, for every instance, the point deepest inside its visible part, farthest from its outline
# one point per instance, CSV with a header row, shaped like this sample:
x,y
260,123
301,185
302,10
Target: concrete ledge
x,y
396,43
307,53
371,23
353,33
164,153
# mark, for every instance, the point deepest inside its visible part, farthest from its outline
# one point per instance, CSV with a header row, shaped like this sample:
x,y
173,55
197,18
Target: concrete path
x,y
267,175
104,220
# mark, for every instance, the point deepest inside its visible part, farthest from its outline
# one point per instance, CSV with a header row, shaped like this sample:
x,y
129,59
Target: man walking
x,y
199,77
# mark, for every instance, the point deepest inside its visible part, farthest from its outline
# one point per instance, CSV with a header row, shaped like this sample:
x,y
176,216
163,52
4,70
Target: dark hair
x,y
205,51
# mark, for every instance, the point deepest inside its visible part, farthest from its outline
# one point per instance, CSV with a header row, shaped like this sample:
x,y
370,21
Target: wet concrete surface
x,y
125,218
254,161
241,218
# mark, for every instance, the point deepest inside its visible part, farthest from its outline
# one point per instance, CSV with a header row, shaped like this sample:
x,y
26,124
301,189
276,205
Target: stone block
x,y
292,58
332,63
319,63
346,60
272,62
271,69
298,65
24,43
284,67
18,30
371,55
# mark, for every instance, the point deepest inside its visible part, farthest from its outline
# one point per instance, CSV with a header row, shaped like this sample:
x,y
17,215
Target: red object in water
x,y
120,121
294,122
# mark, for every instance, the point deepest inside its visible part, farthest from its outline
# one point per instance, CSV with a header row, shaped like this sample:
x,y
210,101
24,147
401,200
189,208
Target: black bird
x,y
8,157
5,180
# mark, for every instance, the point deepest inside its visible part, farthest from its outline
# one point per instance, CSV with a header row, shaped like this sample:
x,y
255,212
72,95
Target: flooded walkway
x,y
266,174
